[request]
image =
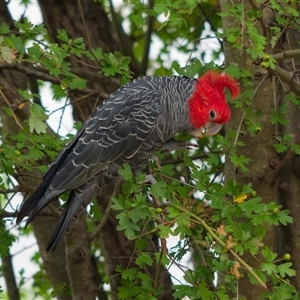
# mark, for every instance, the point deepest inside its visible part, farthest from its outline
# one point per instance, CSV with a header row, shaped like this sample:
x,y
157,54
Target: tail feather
x,y
30,203
37,204
43,194
76,204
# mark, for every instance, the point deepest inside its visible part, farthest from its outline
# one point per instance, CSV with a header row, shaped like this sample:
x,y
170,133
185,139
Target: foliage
x,y
218,222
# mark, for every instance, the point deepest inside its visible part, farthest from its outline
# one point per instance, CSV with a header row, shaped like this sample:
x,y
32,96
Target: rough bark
x,y
79,262
119,251
10,279
263,156
98,31
289,187
10,82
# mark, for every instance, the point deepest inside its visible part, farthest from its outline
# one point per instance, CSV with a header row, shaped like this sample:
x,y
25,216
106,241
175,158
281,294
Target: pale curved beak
x,y
208,130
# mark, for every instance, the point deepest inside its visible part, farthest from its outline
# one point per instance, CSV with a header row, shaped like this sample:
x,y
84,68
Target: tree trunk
x,y
289,187
10,82
97,32
258,148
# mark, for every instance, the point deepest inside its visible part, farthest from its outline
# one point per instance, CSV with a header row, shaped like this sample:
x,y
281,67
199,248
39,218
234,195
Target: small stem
x,y
12,111
104,219
220,242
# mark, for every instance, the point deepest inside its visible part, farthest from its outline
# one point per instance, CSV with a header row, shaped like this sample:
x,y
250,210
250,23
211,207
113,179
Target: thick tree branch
x,y
79,261
272,176
150,22
10,278
286,77
42,74
124,40
207,19
286,55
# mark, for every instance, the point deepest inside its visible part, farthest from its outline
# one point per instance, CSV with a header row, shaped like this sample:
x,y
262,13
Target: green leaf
x,y
280,148
36,119
159,189
284,217
62,35
164,231
126,225
58,92
269,268
268,254
125,62
144,259
78,83
213,159
35,51
167,170
98,53
161,8
126,172
296,148
119,203
140,212
16,43
4,28
285,270
162,258
240,161
129,273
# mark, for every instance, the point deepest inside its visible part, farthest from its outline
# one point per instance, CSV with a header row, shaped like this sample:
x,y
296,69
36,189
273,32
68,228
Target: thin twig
x,y
85,26
244,113
104,219
221,243
42,74
150,22
10,107
61,116
273,175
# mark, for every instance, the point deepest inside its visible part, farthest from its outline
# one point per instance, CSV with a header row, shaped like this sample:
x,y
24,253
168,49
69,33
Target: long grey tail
x,y
76,204
36,202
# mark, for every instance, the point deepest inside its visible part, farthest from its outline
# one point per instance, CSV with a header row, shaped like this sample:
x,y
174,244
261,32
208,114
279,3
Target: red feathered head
x,y
208,106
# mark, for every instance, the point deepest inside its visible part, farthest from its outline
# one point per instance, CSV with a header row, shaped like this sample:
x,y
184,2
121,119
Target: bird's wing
x,y
41,191
116,129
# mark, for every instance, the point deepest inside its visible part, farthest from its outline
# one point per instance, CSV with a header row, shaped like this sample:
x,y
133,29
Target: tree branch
x,y
42,74
124,40
286,55
150,22
271,177
10,278
286,77
99,227
8,214
207,19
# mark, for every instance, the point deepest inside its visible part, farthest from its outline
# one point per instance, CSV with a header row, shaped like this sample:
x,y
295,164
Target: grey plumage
x,y
128,127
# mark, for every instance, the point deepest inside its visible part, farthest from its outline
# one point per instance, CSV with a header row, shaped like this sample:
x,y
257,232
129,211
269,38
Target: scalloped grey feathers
x,y
129,126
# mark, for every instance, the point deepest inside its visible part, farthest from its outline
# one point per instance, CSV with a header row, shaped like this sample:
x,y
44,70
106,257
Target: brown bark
x,y
10,279
114,244
97,33
263,157
289,187
79,262
10,82
119,251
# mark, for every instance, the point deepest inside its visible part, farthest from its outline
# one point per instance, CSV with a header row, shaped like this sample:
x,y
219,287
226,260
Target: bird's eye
x,y
212,114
